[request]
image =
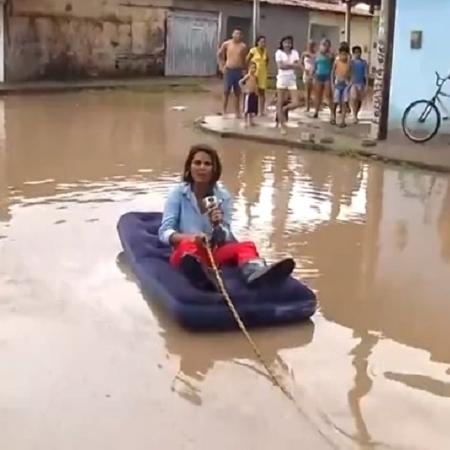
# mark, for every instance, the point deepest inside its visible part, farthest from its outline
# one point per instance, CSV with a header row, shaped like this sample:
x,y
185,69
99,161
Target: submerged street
x,y
88,363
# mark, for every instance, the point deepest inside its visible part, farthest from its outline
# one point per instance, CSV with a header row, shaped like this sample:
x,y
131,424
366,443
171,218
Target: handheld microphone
x,y
218,236
211,202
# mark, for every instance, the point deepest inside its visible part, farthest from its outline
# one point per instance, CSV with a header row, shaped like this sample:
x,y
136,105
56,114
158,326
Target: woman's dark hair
x,y
216,163
286,38
258,39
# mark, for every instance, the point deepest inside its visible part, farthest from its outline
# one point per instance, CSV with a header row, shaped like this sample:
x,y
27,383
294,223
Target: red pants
x,y
232,253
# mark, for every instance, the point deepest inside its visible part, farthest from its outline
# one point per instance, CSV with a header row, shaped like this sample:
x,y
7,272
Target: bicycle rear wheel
x,y
421,121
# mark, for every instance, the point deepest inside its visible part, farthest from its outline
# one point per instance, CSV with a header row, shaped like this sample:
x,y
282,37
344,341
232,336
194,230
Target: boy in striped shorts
x,y
250,85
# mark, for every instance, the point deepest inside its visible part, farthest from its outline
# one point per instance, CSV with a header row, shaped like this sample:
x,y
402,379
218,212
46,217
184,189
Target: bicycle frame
x,y
419,111
436,99
440,82
441,104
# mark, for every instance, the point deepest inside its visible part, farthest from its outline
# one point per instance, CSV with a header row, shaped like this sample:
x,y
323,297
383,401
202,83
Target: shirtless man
x,y
231,58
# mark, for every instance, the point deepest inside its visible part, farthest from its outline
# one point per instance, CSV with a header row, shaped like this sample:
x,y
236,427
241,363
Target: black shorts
x,y
251,103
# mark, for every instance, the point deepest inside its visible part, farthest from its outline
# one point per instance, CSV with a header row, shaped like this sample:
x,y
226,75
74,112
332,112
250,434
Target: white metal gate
x,y
191,46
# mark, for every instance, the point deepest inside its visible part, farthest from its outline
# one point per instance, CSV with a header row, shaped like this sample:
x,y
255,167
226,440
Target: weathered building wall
x,y
276,21
68,39
361,30
224,10
413,69
59,39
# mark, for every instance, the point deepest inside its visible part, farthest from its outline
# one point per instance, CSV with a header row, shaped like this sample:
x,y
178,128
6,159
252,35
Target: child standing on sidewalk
x,y
360,80
341,76
308,59
250,85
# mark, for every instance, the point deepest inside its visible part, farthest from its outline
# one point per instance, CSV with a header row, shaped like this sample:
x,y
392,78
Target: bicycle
x,y
429,116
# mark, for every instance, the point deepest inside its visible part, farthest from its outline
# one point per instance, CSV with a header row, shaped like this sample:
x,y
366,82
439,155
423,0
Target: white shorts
x,y
289,84
287,81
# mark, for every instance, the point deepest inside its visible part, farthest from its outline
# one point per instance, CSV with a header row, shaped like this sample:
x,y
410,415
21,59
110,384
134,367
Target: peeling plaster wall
x,y
69,39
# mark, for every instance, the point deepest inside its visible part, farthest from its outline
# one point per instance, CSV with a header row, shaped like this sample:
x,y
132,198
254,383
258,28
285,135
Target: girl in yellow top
x,y
258,55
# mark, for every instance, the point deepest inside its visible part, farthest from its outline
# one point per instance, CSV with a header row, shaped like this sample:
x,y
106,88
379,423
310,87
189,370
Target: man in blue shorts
x,y
231,57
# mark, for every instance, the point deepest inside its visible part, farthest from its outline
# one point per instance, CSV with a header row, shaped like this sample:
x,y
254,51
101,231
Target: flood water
x,y
87,363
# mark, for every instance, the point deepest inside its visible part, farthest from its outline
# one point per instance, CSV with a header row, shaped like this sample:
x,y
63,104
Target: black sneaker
x,y
196,273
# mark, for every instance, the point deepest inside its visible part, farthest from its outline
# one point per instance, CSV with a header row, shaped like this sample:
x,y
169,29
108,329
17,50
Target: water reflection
x,y
372,240
362,384
195,365
363,252
109,133
197,354
419,208
444,226
422,382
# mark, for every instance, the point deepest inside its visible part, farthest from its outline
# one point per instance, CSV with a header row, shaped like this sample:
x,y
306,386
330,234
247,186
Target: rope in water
x,y
242,326
275,380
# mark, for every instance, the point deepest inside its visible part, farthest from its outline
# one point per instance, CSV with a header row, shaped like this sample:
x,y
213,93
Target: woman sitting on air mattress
x,y
199,209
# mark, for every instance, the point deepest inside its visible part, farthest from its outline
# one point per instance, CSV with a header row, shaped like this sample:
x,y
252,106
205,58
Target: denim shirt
x,y
182,213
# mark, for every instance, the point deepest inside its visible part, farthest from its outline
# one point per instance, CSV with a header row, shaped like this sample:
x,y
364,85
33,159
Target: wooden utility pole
x,y
256,19
382,83
348,21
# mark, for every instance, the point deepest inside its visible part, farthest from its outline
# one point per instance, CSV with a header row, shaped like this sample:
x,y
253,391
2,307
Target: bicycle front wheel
x,y
421,121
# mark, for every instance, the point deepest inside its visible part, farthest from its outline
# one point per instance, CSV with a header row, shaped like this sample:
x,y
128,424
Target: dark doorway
x,y
243,23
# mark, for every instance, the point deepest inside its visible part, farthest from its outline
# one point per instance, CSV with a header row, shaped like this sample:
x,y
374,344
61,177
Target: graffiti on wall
x,y
378,86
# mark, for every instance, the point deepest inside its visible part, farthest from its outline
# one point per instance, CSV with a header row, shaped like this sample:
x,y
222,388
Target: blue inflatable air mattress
x,y
202,310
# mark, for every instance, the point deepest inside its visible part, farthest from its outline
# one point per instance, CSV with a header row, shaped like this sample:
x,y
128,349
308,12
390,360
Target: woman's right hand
x,y
200,238
176,238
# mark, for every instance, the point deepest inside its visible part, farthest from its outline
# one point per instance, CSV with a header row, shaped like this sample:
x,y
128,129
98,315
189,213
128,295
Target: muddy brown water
x,y
86,362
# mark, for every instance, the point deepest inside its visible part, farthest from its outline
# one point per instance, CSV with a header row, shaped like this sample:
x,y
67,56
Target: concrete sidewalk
x,y
317,134
154,84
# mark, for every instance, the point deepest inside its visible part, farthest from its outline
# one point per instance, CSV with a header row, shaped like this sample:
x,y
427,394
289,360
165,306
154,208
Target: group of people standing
x,y
234,59
342,78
